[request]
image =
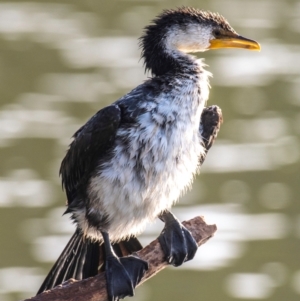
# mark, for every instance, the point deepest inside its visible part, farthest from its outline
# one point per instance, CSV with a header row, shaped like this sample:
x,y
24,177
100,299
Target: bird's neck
x,y
167,60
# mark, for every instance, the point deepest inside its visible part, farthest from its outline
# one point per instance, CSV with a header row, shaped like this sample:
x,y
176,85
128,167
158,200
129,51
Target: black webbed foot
x,y
119,284
176,241
122,274
135,268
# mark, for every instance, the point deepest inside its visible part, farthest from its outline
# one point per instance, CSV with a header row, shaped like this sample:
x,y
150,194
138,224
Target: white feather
x,y
168,160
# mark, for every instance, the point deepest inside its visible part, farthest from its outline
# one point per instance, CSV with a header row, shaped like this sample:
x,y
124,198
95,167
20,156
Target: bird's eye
x,y
217,33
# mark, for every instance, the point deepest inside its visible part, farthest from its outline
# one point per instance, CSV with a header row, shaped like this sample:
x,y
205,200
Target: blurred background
x,y
61,61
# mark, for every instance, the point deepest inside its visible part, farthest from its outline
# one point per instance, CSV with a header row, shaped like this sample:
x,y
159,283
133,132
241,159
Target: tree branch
x,y
94,288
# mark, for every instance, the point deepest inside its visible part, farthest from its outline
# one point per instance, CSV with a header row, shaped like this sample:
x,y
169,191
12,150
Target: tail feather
x,y
73,261
82,258
91,266
127,247
55,272
132,245
71,267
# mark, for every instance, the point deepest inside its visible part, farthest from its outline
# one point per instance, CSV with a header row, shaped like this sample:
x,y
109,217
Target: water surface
x,y
61,61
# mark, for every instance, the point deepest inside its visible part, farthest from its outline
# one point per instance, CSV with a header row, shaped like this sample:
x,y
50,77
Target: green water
x,y
61,61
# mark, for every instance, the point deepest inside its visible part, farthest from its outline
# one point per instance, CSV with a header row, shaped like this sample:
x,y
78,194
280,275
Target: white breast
x,y
160,164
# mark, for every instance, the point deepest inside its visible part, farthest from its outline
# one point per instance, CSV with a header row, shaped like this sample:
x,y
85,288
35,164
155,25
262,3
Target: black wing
x,y
90,143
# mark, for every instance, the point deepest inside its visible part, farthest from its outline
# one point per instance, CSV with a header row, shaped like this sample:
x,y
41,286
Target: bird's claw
x,y
122,275
177,243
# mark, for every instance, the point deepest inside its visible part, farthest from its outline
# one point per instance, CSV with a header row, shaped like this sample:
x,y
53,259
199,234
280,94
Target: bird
x,y
131,161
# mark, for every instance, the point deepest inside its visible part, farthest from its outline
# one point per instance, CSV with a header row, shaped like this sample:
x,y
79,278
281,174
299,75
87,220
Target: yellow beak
x,y
234,42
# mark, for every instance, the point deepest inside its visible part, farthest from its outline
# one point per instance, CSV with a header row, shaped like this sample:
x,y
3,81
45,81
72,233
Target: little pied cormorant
x,y
133,159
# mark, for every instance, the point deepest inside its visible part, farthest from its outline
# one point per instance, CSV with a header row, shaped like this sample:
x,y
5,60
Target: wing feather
x,y
91,142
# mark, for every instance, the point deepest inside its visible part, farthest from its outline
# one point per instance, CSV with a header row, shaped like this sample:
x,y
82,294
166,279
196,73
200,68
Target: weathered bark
x,y
94,288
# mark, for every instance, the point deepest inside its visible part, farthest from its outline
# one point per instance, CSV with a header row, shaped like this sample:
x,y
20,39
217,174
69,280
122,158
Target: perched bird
x,y
133,159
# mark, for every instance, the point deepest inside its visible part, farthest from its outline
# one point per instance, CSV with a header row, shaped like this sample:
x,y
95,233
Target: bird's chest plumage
x,y
154,161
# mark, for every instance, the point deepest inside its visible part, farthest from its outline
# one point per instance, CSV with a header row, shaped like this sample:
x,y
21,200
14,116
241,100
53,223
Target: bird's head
x,y
190,30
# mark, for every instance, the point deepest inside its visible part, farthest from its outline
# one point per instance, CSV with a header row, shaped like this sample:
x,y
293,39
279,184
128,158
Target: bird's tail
x,y
83,258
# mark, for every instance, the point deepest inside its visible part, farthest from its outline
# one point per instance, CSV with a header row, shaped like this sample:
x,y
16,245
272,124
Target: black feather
x,y
79,260
91,142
